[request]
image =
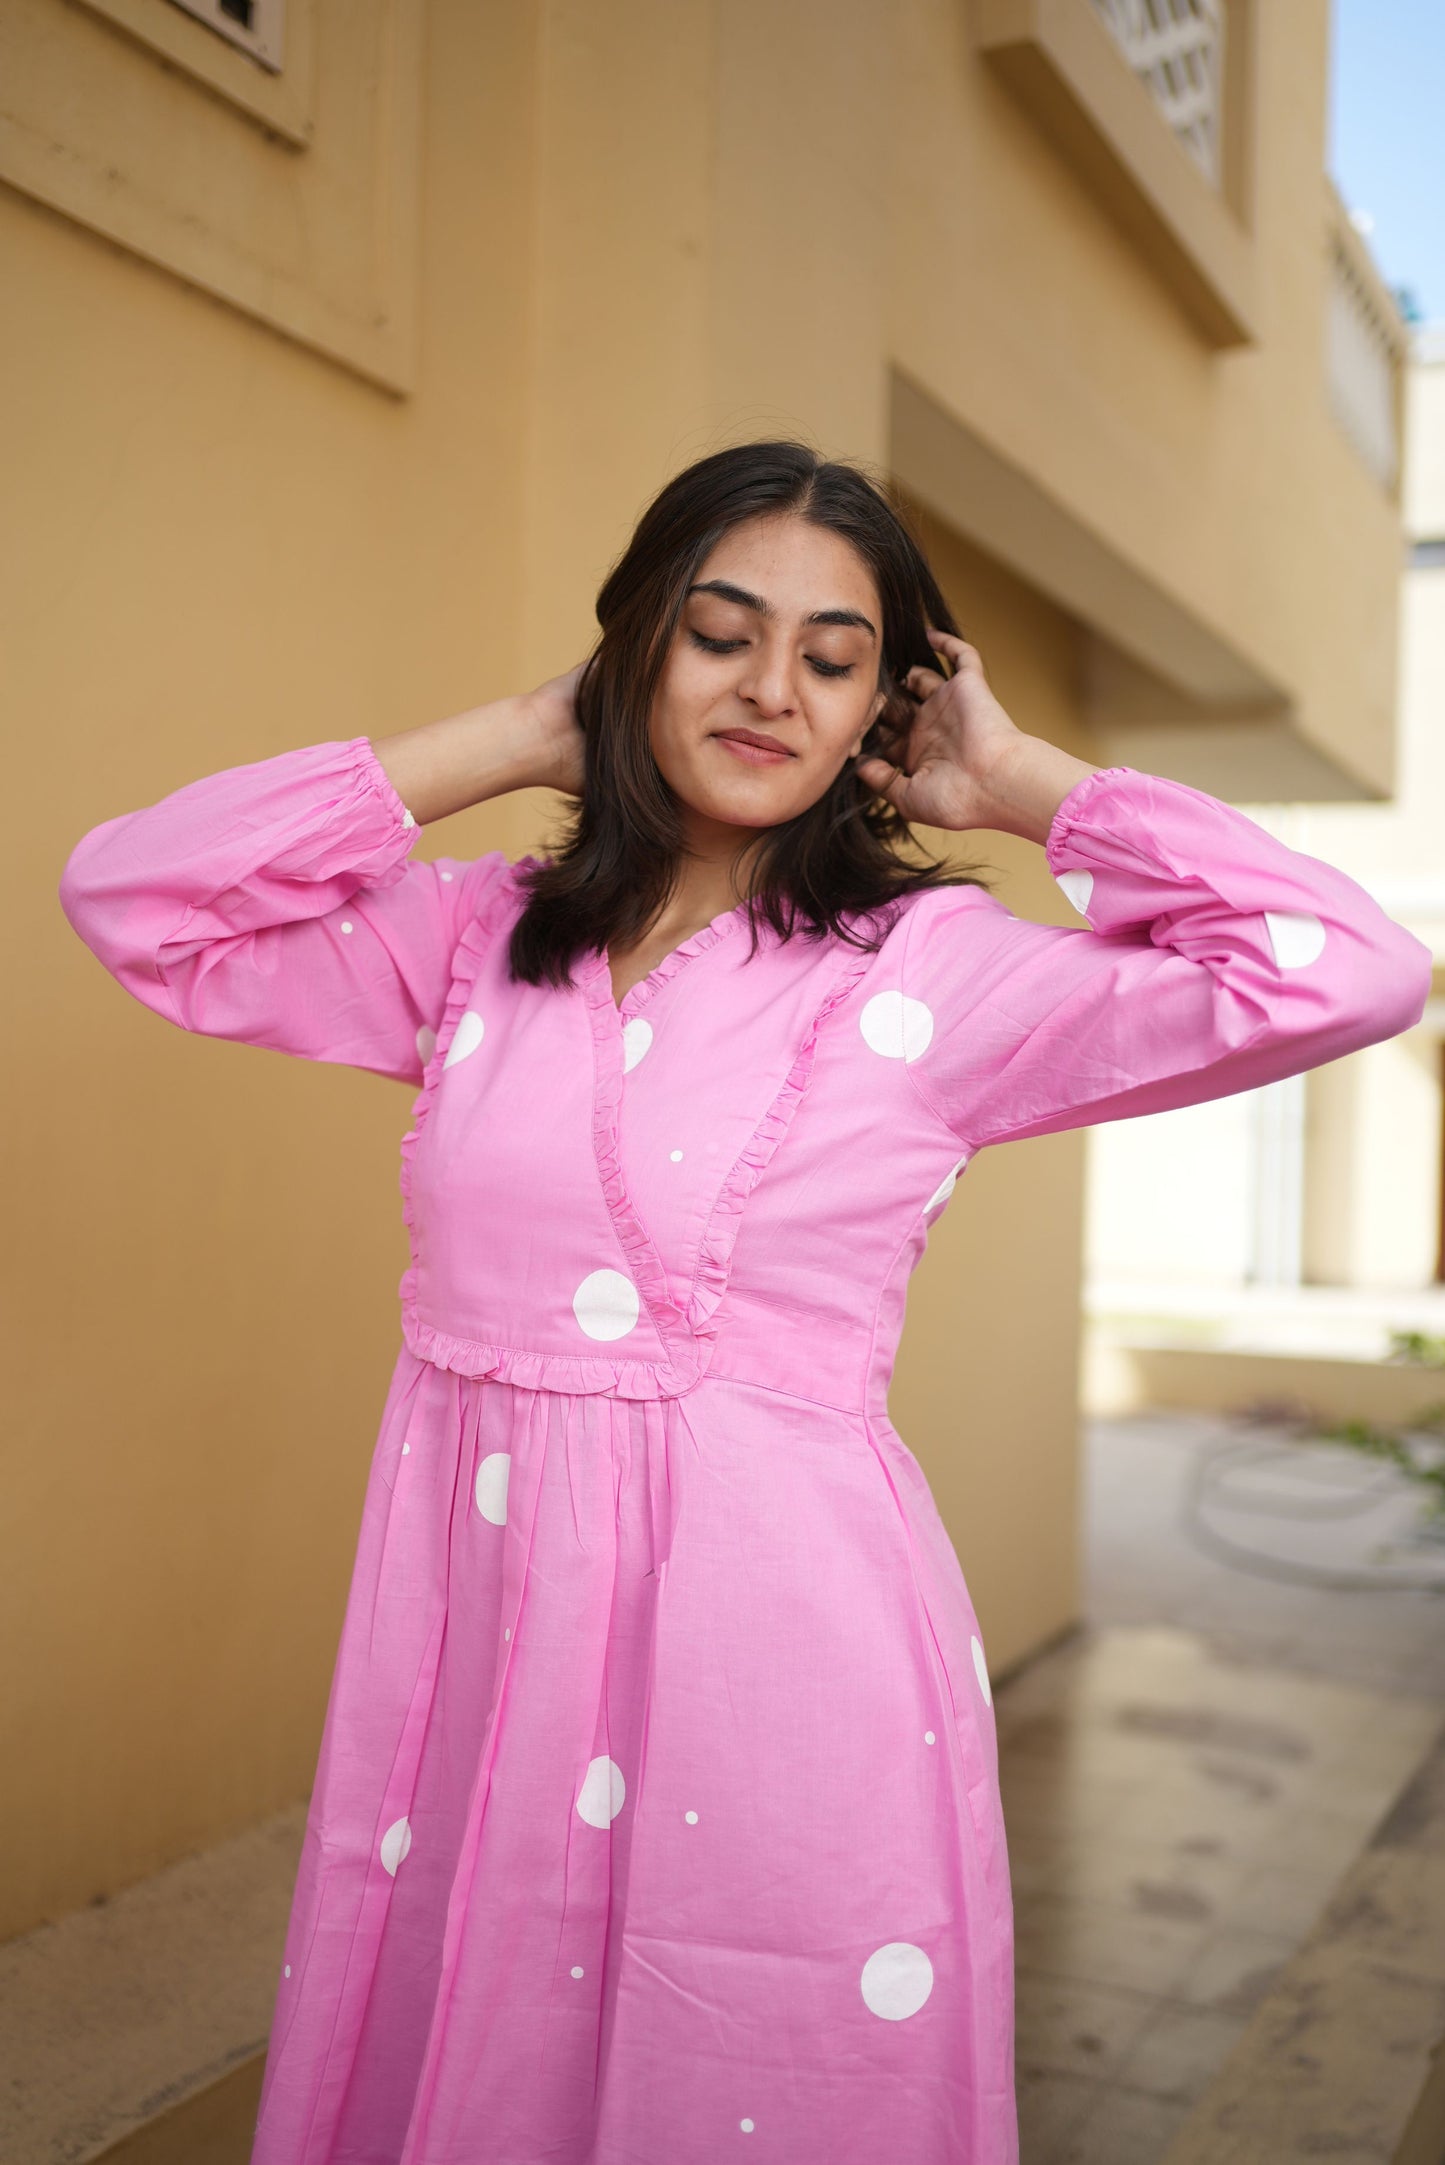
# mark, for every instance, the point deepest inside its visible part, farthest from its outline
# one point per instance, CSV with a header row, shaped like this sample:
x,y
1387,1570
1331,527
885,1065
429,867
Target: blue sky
x,y
1387,135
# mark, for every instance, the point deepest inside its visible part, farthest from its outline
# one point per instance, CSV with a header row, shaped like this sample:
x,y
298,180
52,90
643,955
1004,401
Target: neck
x,y
713,872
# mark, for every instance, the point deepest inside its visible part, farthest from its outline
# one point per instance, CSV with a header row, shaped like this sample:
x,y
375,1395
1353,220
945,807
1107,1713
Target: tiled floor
x,y
1184,1783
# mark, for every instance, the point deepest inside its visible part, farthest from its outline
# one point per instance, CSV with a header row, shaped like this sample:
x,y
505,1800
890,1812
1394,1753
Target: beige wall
x,y
253,516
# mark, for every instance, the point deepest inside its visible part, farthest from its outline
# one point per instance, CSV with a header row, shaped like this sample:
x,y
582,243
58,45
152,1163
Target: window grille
x,y
1176,48
257,26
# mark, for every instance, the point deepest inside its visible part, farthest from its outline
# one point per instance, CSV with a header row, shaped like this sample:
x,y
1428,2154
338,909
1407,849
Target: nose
x,y
768,682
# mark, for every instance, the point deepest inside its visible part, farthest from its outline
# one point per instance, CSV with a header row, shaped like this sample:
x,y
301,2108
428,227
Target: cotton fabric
x,y
656,1814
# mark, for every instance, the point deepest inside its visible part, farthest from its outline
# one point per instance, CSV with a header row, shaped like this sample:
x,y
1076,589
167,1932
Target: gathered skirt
x,y
656,1815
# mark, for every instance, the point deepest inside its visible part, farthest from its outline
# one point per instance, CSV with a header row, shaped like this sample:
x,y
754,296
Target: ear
x,y
880,701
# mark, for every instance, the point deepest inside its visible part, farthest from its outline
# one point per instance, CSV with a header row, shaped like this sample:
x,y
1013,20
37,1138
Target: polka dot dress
x,y
656,1812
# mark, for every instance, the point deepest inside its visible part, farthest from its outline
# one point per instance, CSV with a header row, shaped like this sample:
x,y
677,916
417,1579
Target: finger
x,y
923,682
886,781
877,774
958,650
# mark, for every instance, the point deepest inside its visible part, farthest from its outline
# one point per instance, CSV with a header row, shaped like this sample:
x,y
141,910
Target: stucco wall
x,y
634,233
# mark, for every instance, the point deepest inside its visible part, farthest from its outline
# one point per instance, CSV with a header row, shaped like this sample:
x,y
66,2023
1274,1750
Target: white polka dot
x,y
405,1450
408,819
691,1818
636,1038
676,1156
347,925
508,1632
1296,936
929,1737
448,875
602,1794
896,1026
576,1973
426,1044
945,1187
606,1304
491,1486
466,1037
288,1969
1078,886
896,1981
395,1843
980,1670
746,2126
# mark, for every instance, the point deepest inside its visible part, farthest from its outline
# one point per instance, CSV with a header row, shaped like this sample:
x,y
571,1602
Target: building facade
x,y
1315,1208
347,339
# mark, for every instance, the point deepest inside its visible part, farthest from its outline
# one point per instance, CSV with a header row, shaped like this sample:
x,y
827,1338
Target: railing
x,y
1176,48
1365,348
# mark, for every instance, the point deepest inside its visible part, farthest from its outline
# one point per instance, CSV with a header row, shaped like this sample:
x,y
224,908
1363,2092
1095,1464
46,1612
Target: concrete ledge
x,y
1122,1378
136,2028
1341,2057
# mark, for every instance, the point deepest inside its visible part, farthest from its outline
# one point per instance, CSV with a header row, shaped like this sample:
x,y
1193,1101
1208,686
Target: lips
x,y
753,746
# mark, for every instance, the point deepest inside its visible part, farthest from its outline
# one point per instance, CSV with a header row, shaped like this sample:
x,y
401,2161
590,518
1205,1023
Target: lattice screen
x,y
1176,48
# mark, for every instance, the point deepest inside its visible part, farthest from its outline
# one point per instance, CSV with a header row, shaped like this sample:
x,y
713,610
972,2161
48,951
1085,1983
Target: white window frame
x,y
264,38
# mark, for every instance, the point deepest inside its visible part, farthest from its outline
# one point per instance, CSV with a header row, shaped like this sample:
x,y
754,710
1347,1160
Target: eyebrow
x,y
726,591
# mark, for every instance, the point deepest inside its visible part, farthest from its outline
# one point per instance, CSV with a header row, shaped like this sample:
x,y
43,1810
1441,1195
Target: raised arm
x,y
277,903
1215,958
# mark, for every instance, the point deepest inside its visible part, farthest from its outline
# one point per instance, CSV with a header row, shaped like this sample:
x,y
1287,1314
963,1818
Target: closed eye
x,y
730,646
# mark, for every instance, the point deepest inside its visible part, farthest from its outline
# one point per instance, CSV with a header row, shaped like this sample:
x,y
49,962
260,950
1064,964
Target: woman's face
x,y
771,680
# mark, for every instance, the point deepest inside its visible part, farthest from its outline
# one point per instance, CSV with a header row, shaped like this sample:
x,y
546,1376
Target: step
x,y
135,2029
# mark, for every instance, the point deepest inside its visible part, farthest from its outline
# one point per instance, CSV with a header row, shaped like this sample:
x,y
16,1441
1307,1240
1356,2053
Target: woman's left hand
x,y
966,764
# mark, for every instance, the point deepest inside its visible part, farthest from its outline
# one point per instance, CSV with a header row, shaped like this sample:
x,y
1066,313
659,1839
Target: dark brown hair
x,y
617,861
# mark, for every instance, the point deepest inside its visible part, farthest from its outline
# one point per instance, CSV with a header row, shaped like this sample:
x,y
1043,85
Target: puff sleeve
x,y
276,904
1215,959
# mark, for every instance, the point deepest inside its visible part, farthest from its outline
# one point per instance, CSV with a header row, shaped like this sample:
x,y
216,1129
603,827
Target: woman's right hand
x,y
527,740
555,740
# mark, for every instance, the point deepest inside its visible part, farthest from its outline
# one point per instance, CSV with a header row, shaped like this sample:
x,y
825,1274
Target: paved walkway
x,y
1187,1779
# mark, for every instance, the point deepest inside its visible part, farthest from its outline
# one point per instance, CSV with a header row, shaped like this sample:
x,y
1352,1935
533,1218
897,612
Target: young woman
x,y
657,1816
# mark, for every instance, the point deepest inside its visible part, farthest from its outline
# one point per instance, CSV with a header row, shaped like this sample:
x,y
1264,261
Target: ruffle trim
x,y
710,1274
577,1375
684,1364
708,935
688,1337
476,938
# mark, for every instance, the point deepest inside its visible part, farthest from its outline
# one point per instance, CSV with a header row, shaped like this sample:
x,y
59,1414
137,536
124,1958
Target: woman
x,y
657,1814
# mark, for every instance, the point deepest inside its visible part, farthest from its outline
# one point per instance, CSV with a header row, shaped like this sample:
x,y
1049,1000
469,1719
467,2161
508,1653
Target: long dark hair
x,y
617,861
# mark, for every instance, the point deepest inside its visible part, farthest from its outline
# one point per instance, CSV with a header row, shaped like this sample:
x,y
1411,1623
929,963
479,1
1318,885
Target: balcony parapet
x,y
1066,65
1366,346
1176,48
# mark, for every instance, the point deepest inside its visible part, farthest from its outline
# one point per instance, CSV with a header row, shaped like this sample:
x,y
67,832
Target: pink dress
x,y
656,1820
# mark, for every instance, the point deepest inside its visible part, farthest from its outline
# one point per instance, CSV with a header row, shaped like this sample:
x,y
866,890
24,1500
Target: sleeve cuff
x,y
1076,809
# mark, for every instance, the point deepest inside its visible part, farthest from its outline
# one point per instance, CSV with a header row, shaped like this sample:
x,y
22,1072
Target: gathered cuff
x,y
357,829
1076,810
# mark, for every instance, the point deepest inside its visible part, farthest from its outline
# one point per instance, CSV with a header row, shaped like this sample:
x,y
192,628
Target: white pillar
x,y
1277,1139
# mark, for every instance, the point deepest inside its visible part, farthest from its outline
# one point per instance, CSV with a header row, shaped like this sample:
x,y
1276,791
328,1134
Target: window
x,y
257,26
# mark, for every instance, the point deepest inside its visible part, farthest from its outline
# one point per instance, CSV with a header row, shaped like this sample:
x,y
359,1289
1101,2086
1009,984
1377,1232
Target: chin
x,y
758,808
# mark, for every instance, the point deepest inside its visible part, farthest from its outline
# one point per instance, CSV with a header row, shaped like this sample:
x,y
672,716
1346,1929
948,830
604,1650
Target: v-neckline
x,y
638,994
